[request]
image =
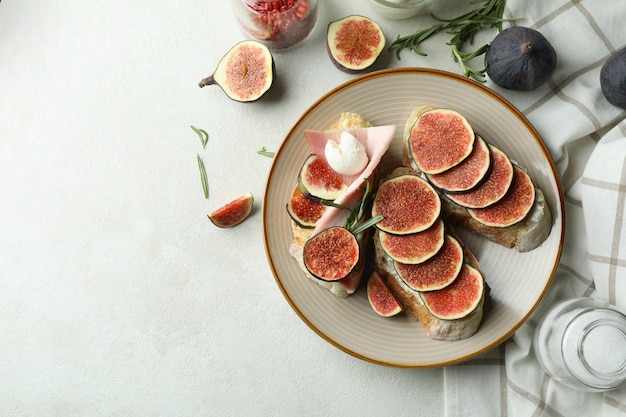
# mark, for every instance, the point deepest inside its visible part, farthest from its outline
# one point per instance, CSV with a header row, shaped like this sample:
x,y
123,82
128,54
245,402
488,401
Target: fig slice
x,y
468,174
437,272
515,205
354,43
440,139
245,73
493,188
332,254
458,299
407,203
304,211
413,248
318,180
233,213
381,298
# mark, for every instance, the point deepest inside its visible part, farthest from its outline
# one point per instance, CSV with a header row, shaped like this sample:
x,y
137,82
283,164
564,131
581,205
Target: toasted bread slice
x,y
524,236
348,285
410,300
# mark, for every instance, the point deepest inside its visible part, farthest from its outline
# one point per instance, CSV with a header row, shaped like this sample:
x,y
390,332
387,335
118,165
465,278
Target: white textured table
x,y
117,296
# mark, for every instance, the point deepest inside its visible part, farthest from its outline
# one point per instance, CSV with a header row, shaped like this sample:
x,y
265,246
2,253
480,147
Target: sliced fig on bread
x,y
304,211
332,254
493,188
515,205
412,304
407,203
439,140
413,248
318,180
435,273
380,297
458,299
468,174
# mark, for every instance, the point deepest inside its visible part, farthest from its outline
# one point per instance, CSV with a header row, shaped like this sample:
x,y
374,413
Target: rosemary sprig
x,y
203,178
463,29
354,221
265,152
203,135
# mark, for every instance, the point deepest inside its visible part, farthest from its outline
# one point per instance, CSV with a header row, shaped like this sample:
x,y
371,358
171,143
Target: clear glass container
x,y
581,342
278,24
400,9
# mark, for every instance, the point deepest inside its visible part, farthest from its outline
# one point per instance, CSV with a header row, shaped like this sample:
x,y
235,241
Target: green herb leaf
x,y
203,178
265,152
203,135
463,28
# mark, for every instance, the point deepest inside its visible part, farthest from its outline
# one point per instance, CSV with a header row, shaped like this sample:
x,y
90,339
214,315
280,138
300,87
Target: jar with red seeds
x,y
279,24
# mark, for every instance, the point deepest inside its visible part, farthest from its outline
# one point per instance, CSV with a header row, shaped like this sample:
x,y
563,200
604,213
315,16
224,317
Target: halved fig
x,y
245,73
515,205
413,248
468,174
408,204
437,272
493,188
458,299
332,254
318,180
233,213
439,140
354,43
304,211
381,299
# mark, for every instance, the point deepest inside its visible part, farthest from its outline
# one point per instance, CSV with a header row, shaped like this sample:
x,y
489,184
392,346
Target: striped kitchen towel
x,y
587,139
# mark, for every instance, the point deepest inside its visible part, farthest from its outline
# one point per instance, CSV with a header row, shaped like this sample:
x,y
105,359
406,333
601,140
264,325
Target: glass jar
x,y
279,24
581,342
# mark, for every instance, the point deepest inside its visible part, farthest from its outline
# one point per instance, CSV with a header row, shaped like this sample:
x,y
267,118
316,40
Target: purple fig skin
x,y
520,58
613,79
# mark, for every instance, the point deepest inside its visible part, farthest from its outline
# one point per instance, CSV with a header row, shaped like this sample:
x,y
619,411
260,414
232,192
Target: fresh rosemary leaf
x,y
463,29
203,135
265,152
203,178
367,224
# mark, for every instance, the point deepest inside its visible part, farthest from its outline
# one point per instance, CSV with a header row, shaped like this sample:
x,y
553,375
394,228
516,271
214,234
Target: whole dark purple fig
x,y
520,58
613,79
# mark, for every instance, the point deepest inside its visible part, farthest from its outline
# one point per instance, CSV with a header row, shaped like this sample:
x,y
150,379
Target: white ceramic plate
x,y
518,281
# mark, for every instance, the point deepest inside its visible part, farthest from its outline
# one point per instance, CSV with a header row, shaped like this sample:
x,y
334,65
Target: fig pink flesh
x,y
306,211
381,299
515,205
318,176
457,299
494,187
332,254
355,39
246,75
414,247
436,272
468,173
234,212
408,203
440,139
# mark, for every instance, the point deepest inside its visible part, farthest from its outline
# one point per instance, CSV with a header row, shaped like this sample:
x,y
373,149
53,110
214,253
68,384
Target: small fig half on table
x,y
354,43
233,213
245,73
